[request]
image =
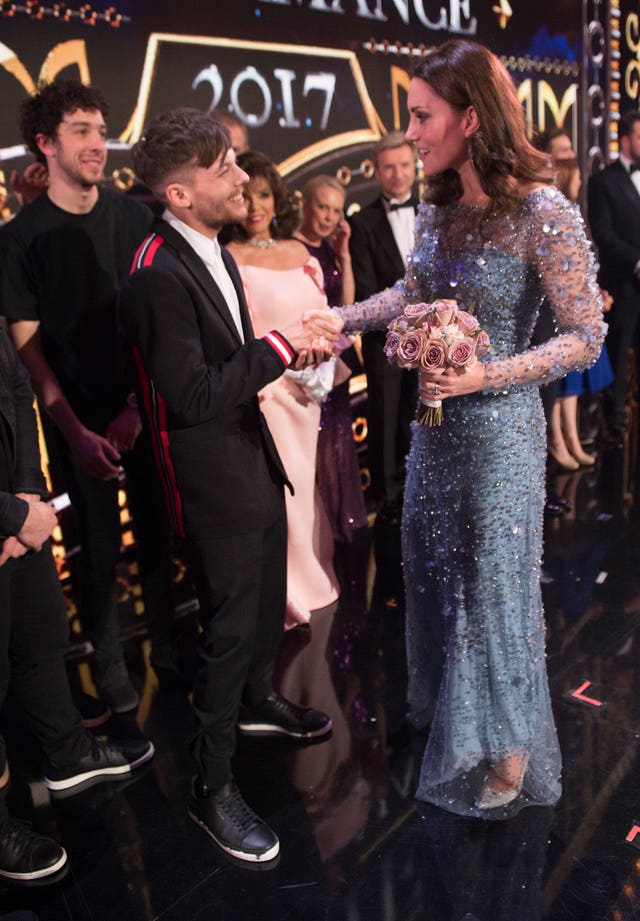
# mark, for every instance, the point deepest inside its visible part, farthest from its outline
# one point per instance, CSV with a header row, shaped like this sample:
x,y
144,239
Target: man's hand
x,y
11,549
95,455
319,350
31,184
124,429
607,300
320,326
38,525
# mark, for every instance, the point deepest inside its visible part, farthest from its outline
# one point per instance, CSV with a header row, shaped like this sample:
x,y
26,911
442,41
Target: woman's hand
x,y
451,383
340,240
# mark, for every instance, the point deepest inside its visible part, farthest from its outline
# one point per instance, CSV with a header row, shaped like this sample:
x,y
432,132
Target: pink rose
x,y
445,310
483,343
420,316
391,345
416,310
462,353
434,357
410,348
467,322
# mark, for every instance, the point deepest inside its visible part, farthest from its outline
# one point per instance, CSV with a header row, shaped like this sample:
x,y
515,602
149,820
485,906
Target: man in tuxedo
x,y
382,236
200,370
614,218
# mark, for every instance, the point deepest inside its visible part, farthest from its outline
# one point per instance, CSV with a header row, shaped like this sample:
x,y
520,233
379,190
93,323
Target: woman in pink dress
x,y
281,281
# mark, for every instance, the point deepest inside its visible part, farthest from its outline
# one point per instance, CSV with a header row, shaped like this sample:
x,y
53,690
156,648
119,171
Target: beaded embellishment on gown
x,y
474,496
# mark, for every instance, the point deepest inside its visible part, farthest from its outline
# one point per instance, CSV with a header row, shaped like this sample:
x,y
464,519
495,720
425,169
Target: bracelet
x,y
132,400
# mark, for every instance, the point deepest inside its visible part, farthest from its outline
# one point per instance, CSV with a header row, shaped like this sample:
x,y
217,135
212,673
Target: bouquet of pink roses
x,y
434,337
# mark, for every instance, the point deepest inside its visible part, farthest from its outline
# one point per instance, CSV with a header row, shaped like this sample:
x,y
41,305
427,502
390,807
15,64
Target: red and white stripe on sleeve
x,y
286,353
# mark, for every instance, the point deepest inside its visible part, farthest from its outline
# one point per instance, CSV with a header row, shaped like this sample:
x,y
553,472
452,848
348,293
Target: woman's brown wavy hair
x,y
465,73
287,205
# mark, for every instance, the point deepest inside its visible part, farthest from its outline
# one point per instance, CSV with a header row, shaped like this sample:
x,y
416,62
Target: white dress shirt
x,y
211,254
635,175
403,225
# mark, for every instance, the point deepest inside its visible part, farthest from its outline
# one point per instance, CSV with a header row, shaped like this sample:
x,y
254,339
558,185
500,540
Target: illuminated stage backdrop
x,y
316,81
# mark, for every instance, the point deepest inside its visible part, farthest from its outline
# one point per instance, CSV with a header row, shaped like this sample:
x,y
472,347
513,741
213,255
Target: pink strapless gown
x,y
275,298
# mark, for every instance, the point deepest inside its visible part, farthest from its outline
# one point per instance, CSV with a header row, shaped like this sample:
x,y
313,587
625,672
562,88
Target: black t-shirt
x,y
65,270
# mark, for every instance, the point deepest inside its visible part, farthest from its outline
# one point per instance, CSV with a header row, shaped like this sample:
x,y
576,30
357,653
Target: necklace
x,y
263,244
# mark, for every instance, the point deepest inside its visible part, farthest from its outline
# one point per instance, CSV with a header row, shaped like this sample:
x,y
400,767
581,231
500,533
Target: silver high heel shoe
x,y
492,796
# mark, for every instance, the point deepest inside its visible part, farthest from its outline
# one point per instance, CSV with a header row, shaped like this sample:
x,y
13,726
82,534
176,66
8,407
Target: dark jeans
x,y
241,586
96,506
34,632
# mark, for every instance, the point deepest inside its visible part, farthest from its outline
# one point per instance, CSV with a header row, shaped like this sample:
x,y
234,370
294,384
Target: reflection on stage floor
x,y
356,846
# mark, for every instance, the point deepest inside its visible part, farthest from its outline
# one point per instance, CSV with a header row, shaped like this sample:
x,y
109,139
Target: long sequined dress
x,y
472,518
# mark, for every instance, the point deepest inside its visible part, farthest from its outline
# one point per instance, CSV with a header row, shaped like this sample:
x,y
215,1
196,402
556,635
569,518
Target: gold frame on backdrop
x,y
373,133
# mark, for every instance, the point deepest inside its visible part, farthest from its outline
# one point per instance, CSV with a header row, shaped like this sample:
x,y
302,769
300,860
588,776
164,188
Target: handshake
x,y
314,336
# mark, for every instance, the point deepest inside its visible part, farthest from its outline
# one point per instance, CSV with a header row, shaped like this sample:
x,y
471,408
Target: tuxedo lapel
x,y
384,234
194,264
626,184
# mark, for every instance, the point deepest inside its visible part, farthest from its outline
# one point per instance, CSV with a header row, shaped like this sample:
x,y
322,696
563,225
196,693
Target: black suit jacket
x,y
19,454
198,387
614,218
375,257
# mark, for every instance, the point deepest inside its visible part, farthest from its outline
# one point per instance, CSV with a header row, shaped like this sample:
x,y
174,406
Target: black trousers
x,y
96,505
34,632
242,588
392,395
624,327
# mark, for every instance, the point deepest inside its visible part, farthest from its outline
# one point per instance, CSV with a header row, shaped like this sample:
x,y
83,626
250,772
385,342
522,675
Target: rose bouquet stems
x,y
433,338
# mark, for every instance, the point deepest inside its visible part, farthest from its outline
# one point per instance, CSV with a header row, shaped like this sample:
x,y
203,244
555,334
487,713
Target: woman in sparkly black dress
x,y
494,234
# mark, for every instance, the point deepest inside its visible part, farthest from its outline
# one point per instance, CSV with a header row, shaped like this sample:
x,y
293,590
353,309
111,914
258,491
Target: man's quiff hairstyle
x,y
391,141
175,143
43,112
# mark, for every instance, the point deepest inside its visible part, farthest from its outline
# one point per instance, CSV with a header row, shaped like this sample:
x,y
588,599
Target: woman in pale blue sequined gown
x,y
472,521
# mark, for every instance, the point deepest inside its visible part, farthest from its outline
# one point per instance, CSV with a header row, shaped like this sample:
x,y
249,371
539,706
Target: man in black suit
x,y
381,239
614,217
200,370
34,632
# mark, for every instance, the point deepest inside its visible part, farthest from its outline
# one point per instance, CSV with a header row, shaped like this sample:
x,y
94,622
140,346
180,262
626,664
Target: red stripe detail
x,y
160,445
149,255
285,345
151,252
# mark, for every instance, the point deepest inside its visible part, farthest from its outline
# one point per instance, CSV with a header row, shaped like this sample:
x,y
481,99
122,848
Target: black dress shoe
x,y
277,716
234,827
25,855
105,761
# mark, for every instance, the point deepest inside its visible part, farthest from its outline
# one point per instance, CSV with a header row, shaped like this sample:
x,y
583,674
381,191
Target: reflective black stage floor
x,y
355,844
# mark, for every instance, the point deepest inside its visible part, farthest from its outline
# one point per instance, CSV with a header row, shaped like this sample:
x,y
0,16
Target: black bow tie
x,y
633,167
396,205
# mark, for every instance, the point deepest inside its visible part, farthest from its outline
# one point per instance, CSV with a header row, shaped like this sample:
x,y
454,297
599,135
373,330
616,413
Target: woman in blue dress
x,y
494,234
564,438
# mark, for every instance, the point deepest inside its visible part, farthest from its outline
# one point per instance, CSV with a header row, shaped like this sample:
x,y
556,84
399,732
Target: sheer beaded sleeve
x,y
376,312
559,251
